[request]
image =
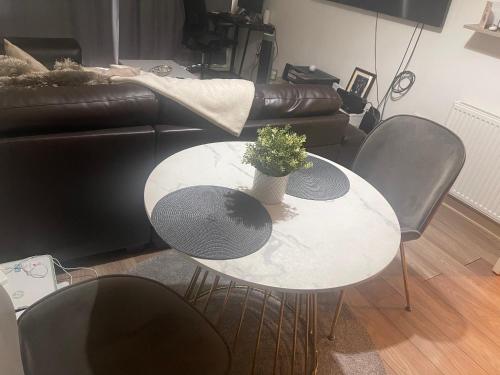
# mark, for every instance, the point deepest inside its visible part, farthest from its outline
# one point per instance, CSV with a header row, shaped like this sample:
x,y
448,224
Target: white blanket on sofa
x,y
224,102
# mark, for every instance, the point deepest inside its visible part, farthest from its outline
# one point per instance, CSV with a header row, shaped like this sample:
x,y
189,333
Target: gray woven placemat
x,y
212,222
323,181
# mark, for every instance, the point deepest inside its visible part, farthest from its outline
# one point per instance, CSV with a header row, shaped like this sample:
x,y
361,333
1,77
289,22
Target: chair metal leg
x,y
338,309
405,276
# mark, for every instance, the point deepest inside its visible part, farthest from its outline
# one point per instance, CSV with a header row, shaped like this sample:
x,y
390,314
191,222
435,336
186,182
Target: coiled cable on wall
x,y
404,80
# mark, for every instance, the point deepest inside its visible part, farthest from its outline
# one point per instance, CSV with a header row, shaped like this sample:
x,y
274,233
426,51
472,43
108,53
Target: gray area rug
x,y
352,352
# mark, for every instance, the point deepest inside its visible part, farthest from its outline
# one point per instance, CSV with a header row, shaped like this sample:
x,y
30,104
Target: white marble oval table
x,y
315,245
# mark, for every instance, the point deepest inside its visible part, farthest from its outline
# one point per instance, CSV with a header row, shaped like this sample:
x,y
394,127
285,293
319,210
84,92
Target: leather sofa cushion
x,y
287,100
270,102
62,109
322,132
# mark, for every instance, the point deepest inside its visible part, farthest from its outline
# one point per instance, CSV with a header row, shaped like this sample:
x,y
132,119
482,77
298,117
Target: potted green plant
x,y
276,153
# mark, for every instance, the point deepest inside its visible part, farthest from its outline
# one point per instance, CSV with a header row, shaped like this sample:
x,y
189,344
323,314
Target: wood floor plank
x,y
439,235
420,331
437,307
394,348
423,266
471,237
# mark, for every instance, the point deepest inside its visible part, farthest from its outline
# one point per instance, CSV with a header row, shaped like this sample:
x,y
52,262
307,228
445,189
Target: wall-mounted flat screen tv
x,y
430,12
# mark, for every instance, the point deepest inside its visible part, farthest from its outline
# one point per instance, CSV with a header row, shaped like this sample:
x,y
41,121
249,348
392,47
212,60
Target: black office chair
x,y
201,34
115,325
413,162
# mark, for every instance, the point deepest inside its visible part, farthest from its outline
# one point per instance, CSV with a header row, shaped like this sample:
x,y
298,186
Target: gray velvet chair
x,y
114,325
413,162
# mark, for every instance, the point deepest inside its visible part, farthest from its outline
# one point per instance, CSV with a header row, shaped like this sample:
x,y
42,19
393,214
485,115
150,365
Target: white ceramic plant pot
x,y
269,189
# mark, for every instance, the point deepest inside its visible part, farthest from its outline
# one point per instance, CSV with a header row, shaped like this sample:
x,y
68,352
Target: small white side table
x,y
178,71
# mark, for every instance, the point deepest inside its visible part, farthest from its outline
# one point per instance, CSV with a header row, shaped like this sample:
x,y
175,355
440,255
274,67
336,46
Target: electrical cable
x,y
66,269
277,46
375,50
403,80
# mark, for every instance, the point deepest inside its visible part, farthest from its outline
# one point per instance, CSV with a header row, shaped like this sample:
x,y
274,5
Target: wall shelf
x,y
479,29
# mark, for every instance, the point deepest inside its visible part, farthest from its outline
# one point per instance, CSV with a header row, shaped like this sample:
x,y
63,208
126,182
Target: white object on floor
x,y
225,103
178,71
29,280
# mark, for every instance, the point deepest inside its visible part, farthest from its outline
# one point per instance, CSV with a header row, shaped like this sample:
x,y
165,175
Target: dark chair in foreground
x,y
119,325
413,162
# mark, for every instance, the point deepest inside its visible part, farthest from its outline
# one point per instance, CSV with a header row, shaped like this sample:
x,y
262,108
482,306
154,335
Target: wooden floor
x,y
454,327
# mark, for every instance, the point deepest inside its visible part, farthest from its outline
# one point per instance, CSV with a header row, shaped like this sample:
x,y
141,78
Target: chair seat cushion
x,y
119,325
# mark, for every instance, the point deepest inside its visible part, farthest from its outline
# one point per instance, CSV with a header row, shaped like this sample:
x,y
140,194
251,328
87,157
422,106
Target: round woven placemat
x,y
322,182
212,222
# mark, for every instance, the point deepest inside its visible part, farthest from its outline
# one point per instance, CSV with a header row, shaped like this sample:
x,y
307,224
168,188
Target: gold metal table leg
x,y
295,328
226,299
192,283
315,333
214,286
200,288
278,336
308,318
259,332
338,309
242,316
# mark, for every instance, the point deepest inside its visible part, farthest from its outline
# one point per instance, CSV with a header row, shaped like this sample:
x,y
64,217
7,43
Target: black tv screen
x,y
430,12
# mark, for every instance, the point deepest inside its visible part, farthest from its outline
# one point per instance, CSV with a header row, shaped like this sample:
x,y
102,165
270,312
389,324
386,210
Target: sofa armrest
x,y
47,50
287,101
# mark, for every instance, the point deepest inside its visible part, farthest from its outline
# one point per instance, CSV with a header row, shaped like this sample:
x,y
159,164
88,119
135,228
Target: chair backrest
x,y
413,162
10,353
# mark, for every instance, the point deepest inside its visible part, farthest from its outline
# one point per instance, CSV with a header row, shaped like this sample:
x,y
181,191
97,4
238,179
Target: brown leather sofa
x,y
74,160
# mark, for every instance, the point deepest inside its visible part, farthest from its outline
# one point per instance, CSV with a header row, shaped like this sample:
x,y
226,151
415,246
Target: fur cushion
x,y
12,67
13,73
14,51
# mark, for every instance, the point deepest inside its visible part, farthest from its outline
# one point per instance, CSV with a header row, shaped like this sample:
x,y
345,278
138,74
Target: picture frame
x,y
486,15
361,82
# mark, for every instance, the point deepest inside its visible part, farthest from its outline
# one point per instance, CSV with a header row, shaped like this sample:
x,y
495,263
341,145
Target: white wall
x,y
452,64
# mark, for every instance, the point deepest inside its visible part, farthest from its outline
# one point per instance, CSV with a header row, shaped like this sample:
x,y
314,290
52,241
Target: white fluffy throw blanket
x,y
224,102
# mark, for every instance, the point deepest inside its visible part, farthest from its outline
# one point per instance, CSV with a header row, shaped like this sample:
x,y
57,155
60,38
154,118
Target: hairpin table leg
x,y
192,283
338,309
278,336
242,316
200,288
214,286
259,332
295,328
226,299
308,318
315,332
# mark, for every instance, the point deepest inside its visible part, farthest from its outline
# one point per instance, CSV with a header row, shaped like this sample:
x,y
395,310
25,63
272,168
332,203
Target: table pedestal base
x,y
300,310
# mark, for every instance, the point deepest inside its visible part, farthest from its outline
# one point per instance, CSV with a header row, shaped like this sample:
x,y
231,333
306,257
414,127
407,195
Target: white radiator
x,y
479,182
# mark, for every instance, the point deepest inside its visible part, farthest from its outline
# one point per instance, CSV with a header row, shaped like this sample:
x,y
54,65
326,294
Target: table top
x,y
178,71
314,246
